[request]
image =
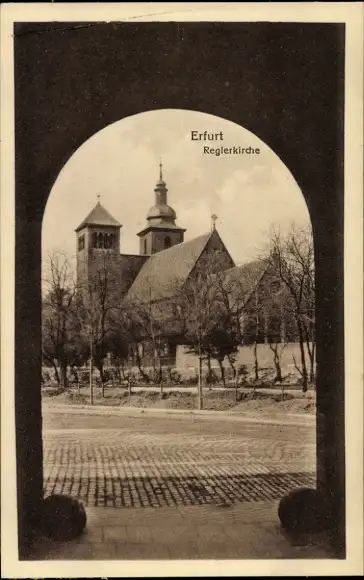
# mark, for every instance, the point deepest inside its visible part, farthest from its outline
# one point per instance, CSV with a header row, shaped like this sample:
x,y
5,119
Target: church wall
x,y
129,267
90,259
105,230
145,244
214,257
83,256
154,241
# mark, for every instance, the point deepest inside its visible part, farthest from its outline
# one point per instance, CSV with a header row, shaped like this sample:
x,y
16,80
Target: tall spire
x,y
161,182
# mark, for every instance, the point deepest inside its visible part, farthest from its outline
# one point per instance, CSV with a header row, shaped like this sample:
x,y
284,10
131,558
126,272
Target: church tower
x,y
98,239
161,231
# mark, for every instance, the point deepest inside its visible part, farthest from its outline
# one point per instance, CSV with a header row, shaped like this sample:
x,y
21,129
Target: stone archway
x,y
283,82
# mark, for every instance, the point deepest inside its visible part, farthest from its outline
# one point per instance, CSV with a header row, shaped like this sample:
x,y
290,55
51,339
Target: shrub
x,y
212,378
192,380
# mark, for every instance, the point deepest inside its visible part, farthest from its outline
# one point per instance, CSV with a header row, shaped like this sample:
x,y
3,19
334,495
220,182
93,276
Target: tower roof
x,y
99,216
161,215
161,211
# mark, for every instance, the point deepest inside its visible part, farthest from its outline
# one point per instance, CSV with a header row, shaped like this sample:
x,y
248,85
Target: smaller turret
x,y
161,232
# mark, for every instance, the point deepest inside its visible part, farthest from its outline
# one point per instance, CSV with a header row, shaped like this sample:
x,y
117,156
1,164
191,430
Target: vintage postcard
x,y
181,289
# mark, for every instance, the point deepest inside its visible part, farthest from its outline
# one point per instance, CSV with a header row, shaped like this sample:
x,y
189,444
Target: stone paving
x,y
240,531
177,488
112,468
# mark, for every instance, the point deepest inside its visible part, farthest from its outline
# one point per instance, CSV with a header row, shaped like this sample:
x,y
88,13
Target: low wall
x,y
186,361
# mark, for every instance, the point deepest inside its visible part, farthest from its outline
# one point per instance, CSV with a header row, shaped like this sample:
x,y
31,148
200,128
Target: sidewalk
x,y
241,531
276,418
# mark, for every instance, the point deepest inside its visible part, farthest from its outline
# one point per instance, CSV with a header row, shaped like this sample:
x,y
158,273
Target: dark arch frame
x,y
283,82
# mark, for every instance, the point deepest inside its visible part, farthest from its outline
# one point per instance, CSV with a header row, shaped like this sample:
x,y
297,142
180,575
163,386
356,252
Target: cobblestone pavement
x,y
124,468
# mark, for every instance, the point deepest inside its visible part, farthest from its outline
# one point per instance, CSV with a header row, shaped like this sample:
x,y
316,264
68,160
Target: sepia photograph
x,y
180,299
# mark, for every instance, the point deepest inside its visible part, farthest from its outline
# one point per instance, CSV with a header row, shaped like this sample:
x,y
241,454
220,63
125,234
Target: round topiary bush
x,y
304,510
62,517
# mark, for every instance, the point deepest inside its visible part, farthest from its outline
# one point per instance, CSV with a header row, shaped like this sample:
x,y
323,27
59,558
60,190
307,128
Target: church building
x,y
165,261
163,254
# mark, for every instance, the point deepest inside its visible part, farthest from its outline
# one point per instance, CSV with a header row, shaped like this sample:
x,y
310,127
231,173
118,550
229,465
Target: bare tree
x,y
253,310
59,320
145,317
97,300
277,312
292,258
195,307
206,317
227,335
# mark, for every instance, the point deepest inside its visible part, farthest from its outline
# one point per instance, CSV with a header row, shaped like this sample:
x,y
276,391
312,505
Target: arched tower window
x,y
94,239
81,243
145,246
100,240
167,242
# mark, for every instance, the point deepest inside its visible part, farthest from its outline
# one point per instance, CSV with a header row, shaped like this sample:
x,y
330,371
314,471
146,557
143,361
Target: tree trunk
x,y
129,390
231,363
100,367
311,356
256,365
200,400
102,383
222,371
160,378
209,372
56,373
91,371
277,364
139,365
63,374
235,377
120,372
312,367
310,344
303,358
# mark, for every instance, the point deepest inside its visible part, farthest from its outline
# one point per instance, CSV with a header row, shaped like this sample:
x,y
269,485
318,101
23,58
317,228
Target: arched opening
x,y
271,198
300,142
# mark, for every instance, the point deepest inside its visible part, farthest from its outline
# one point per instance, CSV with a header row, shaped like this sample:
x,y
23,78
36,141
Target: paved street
x,y
173,461
179,486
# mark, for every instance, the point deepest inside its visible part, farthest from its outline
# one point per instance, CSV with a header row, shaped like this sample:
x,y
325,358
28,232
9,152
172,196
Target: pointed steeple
x,y
161,190
161,231
161,209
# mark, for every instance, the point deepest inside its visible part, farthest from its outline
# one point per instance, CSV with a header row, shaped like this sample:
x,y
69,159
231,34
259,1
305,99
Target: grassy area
x,y
212,400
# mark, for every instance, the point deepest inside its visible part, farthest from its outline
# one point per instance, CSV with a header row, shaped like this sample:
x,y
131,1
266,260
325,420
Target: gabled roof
x,y
165,272
99,216
247,276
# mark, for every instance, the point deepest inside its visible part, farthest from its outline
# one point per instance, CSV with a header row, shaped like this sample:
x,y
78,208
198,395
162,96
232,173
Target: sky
x,y
248,193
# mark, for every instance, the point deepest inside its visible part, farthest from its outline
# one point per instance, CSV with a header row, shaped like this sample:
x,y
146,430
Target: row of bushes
x,y
112,376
